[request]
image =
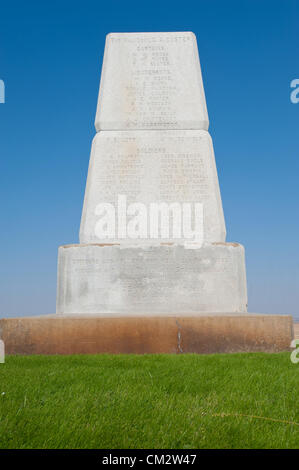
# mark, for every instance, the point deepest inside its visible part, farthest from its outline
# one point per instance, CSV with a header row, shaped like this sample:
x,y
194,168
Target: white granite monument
x,y
152,152
153,272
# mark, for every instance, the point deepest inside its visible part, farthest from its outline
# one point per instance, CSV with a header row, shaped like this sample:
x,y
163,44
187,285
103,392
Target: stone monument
x,y
152,146
153,272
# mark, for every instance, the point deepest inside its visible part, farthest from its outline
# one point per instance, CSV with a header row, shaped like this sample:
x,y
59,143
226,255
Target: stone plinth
x,y
168,279
153,167
84,334
151,81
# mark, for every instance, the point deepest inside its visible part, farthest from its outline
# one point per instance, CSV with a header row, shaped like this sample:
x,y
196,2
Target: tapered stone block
x,y
166,279
153,167
151,81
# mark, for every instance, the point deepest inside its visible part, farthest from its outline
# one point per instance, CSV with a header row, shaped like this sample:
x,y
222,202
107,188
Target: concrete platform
x,y
90,334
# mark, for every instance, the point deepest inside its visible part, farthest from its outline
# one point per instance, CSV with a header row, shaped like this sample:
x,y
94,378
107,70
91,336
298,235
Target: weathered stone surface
x,y
153,166
166,279
153,148
85,334
151,81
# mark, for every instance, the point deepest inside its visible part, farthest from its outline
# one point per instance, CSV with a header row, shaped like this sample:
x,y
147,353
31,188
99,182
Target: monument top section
x,y
151,81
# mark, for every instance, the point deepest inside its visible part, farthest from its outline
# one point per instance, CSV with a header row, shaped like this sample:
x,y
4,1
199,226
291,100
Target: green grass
x,y
151,401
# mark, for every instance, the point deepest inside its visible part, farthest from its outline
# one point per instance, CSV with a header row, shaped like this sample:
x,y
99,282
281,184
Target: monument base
x,y
91,334
119,280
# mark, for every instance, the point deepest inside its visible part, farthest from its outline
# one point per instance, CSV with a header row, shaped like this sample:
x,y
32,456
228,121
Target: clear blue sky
x,y
50,59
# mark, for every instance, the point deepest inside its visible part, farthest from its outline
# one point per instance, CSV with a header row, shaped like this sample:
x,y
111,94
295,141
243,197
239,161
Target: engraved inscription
x,y
151,81
153,166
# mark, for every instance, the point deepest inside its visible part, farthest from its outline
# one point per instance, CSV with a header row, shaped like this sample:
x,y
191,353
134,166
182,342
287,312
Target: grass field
x,y
162,401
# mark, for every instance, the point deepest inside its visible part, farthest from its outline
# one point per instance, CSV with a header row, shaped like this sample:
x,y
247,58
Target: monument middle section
x,y
152,167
